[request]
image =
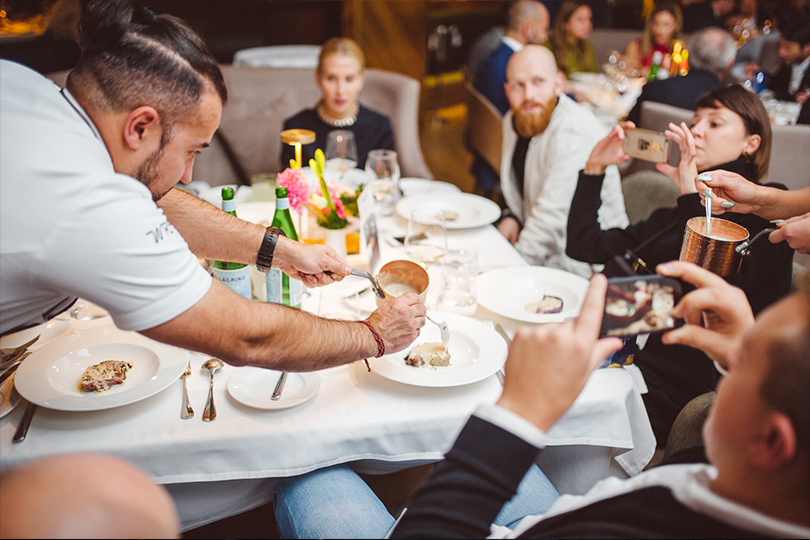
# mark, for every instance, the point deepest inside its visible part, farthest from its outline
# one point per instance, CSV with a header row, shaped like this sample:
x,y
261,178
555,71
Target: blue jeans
x,y
337,503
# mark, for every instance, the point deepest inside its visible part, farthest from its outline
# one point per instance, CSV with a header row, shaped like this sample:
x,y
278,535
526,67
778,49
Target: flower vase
x,y
336,239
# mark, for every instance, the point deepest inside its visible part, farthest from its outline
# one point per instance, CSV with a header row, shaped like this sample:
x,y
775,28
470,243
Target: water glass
x,y
341,152
264,186
382,171
459,273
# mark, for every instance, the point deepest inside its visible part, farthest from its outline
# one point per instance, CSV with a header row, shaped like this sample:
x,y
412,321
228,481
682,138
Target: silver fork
x,y
186,411
491,325
445,330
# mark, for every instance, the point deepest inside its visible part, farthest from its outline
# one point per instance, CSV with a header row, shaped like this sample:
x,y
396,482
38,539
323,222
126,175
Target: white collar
x,y
512,43
75,104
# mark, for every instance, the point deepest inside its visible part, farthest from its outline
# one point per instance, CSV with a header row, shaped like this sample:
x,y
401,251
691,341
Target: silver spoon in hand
x,y
212,365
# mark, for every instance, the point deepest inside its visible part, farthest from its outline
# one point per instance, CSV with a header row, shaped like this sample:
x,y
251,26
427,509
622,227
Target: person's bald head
x,y
84,496
527,21
533,85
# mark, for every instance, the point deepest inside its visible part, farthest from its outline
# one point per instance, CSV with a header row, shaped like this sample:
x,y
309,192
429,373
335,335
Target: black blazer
x,y
781,80
680,92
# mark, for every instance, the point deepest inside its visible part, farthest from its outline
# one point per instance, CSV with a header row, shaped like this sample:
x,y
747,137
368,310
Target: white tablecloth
x,y
357,416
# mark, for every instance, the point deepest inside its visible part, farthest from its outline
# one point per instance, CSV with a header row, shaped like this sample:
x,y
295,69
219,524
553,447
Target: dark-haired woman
x,y
731,131
569,40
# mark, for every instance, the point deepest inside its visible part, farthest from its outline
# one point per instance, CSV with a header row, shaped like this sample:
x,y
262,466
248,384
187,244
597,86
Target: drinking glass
x,y
382,171
459,272
341,151
426,236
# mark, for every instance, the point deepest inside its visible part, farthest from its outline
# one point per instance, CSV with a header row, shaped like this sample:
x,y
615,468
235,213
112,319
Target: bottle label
x,y
229,206
273,284
236,280
282,204
296,292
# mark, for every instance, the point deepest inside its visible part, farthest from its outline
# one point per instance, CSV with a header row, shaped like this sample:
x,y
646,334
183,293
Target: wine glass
x,y
341,151
426,236
382,170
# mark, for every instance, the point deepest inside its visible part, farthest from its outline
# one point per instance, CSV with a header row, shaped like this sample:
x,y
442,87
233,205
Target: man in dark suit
x,y
526,22
699,15
791,82
711,55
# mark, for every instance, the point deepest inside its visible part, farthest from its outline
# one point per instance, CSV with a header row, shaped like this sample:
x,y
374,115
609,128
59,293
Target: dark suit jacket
x,y
491,77
465,492
781,80
676,91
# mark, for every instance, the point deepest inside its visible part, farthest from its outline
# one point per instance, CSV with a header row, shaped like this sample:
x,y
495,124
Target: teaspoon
x,y
210,413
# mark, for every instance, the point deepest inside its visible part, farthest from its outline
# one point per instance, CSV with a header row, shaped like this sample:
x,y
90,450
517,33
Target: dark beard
x,y
532,124
149,170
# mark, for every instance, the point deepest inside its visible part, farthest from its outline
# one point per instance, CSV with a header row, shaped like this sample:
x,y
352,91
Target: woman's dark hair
x,y
131,57
755,119
558,38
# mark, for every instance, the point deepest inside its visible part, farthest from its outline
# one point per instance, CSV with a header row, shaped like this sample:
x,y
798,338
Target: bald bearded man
x,y
547,138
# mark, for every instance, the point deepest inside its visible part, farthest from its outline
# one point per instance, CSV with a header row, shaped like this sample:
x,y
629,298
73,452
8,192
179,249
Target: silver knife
x,y
22,429
279,386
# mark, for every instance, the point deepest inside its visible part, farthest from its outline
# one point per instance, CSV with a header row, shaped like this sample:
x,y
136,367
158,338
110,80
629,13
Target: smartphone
x,y
640,305
647,145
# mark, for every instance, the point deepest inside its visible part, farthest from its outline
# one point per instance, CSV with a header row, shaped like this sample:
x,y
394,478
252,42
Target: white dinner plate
x,y
421,186
50,376
46,332
10,396
476,352
507,291
253,386
472,210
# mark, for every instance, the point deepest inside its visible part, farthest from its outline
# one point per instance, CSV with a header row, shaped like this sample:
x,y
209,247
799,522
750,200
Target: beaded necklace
x,y
337,122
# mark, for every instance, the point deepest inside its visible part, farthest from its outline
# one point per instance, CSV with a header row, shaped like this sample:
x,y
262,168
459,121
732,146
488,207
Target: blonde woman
x,y
662,31
340,76
569,42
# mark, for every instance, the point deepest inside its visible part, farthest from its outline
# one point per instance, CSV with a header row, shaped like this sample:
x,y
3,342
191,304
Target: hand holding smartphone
x,y
640,305
646,145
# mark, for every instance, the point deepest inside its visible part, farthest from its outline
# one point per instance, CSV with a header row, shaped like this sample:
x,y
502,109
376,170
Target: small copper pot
x,y
723,251
401,272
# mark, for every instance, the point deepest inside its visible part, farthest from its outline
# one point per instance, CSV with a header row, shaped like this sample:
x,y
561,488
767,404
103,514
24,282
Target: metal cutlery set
x,y
10,360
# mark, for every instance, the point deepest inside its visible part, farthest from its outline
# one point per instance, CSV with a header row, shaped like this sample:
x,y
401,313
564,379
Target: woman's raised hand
x,y
684,175
609,151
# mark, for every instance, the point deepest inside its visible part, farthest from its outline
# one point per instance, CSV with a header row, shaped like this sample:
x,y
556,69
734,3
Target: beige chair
x,y
261,98
484,132
645,191
790,156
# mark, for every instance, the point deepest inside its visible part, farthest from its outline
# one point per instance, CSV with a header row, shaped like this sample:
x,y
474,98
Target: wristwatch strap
x,y
265,259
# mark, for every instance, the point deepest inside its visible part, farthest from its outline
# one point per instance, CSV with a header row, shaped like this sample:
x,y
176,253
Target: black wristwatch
x,y
265,259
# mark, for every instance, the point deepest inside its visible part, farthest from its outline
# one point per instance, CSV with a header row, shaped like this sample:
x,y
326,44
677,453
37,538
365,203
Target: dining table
x,y
377,425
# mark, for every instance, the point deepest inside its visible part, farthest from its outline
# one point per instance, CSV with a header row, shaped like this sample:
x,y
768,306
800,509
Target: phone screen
x,y
647,145
640,305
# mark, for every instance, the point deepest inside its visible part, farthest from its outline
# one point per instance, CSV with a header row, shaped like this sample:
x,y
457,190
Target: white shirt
x,y
512,43
797,72
689,484
71,226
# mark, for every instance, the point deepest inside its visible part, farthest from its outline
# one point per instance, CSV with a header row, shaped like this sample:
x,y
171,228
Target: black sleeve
x,y
587,242
465,492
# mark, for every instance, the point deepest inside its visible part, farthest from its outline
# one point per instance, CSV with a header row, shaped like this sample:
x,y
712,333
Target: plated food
x,y
101,377
428,355
548,304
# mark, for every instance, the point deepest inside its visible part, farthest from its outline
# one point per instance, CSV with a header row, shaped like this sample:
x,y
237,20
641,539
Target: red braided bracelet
x,y
377,338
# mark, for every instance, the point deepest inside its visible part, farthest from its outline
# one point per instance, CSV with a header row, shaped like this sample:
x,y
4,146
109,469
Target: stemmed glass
x,y
382,170
426,236
341,151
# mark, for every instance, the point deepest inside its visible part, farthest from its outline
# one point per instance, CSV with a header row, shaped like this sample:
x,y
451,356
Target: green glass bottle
x,y
282,289
235,276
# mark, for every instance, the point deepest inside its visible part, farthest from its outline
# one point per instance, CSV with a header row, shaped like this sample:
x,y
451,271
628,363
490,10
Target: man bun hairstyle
x,y
131,57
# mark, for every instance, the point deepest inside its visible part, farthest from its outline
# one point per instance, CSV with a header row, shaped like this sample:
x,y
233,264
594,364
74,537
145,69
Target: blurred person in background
x,y
711,55
791,82
662,30
569,40
340,75
707,13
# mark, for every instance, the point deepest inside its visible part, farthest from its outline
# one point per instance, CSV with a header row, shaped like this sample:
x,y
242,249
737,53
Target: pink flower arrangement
x,y
321,206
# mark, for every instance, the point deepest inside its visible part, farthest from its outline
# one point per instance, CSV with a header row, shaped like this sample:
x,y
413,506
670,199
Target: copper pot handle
x,y
744,249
